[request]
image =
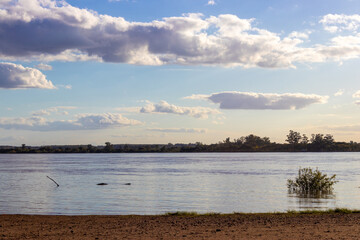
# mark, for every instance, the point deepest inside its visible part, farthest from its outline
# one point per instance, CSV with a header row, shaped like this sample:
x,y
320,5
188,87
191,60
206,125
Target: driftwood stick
x,y
57,185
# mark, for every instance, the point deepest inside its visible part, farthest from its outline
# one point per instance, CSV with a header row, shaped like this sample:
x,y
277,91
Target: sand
x,y
232,226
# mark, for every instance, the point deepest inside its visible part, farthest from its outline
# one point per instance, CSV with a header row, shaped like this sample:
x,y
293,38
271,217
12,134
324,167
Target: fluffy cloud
x,y
340,92
356,94
178,130
50,30
250,100
14,76
43,66
164,107
83,122
340,22
211,2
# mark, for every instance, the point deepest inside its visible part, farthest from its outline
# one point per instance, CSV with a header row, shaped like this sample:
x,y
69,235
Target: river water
x,y
168,182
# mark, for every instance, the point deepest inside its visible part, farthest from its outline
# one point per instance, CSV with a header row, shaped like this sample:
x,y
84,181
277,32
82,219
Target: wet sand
x,y
232,226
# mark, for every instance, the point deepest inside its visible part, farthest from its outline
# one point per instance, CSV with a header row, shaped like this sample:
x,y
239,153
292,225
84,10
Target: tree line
x,y
295,142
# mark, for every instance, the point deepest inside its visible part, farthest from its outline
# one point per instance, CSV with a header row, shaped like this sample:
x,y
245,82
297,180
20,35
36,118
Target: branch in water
x,y
53,181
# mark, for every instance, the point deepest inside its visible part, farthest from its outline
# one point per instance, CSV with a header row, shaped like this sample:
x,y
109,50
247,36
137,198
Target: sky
x,y
184,71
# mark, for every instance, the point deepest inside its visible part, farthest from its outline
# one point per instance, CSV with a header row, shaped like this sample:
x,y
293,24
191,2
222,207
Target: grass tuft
x,y
192,214
336,210
182,213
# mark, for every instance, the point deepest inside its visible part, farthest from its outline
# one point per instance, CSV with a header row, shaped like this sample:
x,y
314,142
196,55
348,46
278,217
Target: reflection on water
x,y
311,201
201,182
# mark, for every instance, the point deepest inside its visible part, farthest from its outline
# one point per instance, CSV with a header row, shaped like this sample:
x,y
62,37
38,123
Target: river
x,y
156,183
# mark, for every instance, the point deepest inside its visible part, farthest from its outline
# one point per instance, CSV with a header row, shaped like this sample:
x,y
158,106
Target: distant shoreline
x,y
251,143
15,153
313,225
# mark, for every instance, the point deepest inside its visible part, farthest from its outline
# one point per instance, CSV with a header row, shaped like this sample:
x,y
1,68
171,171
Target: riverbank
x,y
330,225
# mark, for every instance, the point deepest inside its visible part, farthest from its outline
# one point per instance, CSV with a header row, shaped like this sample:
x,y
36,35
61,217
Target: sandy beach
x,y
231,226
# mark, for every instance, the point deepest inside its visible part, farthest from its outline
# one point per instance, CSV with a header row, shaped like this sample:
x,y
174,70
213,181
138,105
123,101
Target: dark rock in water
x,y
127,183
101,184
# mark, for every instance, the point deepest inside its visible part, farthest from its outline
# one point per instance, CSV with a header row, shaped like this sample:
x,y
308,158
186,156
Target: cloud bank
x,y
83,122
49,30
13,76
164,107
256,101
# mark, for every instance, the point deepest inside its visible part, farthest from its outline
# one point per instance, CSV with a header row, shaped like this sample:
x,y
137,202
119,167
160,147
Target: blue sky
x,y
91,71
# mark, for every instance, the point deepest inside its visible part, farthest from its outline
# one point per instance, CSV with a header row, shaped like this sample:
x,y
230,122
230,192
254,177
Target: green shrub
x,y
311,182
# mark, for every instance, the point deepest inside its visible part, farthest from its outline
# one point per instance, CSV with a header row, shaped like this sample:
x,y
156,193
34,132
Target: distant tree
x,y
227,140
329,139
240,140
319,142
317,138
293,137
90,148
266,140
108,147
304,139
255,142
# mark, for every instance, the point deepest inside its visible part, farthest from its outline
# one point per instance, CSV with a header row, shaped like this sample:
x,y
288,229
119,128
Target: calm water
x,y
201,182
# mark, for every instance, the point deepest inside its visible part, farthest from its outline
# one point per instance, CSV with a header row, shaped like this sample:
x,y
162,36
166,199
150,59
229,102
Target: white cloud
x,y
48,30
340,92
41,113
340,22
82,122
164,107
64,86
273,101
14,76
107,120
58,110
211,2
178,130
43,66
300,35
356,94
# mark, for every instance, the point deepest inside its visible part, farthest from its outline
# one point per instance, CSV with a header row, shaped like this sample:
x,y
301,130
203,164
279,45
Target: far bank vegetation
x,y
295,142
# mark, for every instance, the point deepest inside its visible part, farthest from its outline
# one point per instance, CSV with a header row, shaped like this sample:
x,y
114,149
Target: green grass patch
x,y
192,214
329,211
336,210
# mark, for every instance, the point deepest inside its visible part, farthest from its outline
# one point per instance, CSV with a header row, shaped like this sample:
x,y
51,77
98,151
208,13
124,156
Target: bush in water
x,y
311,181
